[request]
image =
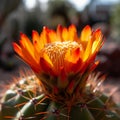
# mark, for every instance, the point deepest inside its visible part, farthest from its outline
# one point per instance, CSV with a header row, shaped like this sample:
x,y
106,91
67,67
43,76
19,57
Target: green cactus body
x,y
27,104
63,86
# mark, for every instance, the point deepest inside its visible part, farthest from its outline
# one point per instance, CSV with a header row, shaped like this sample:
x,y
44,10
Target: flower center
x,y
57,50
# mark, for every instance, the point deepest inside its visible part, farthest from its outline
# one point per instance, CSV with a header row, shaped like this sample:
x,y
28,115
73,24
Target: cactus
x,y
63,85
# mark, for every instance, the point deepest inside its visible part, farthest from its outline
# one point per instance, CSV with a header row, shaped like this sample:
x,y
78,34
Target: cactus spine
x,y
24,100
63,86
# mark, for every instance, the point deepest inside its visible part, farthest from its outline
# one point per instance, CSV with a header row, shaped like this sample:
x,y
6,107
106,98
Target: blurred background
x,y
26,15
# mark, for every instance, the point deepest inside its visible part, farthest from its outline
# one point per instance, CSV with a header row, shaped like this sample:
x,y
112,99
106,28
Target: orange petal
x,y
96,46
46,32
65,34
17,49
52,36
94,66
76,67
87,50
59,33
27,43
43,38
72,56
36,44
47,59
86,33
97,36
62,80
72,60
72,33
26,50
37,50
35,36
83,67
35,68
46,65
27,58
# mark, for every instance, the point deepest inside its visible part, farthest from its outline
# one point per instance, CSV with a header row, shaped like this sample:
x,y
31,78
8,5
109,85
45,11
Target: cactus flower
x,y
61,59
62,62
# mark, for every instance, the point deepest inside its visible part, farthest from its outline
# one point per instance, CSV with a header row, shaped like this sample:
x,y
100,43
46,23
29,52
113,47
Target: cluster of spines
x,y
24,101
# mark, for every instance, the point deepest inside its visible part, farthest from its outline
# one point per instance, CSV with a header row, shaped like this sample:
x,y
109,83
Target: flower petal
x,y
97,36
72,55
47,65
72,33
87,50
86,33
62,80
59,33
65,34
17,49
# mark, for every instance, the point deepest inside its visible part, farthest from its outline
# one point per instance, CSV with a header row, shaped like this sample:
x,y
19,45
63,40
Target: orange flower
x,y
60,53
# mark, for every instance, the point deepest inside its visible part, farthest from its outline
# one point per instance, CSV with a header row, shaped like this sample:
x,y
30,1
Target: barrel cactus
x,y
62,85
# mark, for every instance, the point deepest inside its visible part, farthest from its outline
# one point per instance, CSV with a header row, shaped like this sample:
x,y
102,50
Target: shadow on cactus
x,y
63,86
